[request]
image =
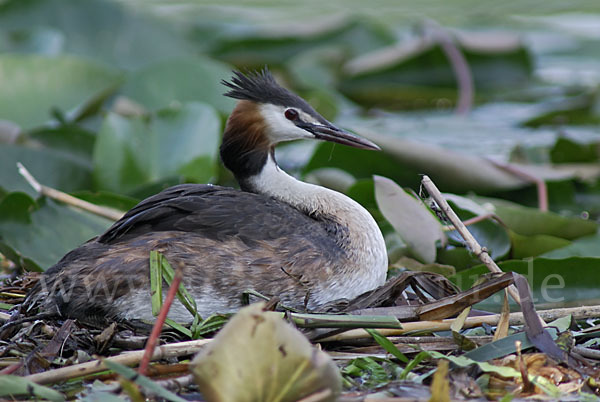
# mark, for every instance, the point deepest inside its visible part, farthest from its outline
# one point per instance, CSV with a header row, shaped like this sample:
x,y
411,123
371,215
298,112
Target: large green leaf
x,y
568,151
182,80
37,235
135,151
532,221
50,167
562,281
33,86
581,109
588,246
532,246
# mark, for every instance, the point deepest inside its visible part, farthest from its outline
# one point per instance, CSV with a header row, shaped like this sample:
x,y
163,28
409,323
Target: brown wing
x,y
219,213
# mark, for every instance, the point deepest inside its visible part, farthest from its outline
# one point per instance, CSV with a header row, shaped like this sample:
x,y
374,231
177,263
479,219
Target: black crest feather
x,y
260,86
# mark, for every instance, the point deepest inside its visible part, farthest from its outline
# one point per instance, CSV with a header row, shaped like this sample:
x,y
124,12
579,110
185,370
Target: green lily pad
x,y
566,150
532,246
39,40
363,191
489,234
132,152
414,265
182,80
532,221
371,163
580,109
333,178
37,234
45,84
588,246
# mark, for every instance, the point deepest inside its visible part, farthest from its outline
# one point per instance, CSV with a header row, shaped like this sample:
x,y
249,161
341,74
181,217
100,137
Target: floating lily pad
x,y
531,221
532,246
45,84
132,152
566,150
581,109
37,234
588,246
178,81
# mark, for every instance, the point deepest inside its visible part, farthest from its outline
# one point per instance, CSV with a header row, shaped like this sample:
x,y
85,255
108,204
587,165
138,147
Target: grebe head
x,y
268,114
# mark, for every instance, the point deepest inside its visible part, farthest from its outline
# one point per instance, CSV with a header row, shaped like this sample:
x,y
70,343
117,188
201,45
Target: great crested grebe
x,y
279,236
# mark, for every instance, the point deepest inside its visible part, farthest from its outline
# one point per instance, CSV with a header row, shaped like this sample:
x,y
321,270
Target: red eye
x,y
291,114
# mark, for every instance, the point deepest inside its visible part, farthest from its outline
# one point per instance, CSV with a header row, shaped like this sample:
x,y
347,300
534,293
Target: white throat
x,y
365,246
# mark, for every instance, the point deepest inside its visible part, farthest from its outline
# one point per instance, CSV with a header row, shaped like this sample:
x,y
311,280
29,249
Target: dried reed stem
x,y
65,198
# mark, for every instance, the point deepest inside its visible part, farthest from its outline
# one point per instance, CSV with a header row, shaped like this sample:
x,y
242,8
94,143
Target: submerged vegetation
x,y
112,101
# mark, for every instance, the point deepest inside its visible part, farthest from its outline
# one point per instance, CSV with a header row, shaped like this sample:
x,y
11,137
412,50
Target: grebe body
x,y
279,236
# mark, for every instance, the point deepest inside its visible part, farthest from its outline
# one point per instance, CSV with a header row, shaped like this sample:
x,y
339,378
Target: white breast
x,y
367,265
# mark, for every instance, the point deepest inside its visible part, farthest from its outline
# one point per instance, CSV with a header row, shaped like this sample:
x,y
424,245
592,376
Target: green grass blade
x,y
182,294
412,364
387,345
160,270
156,281
212,323
195,327
178,327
